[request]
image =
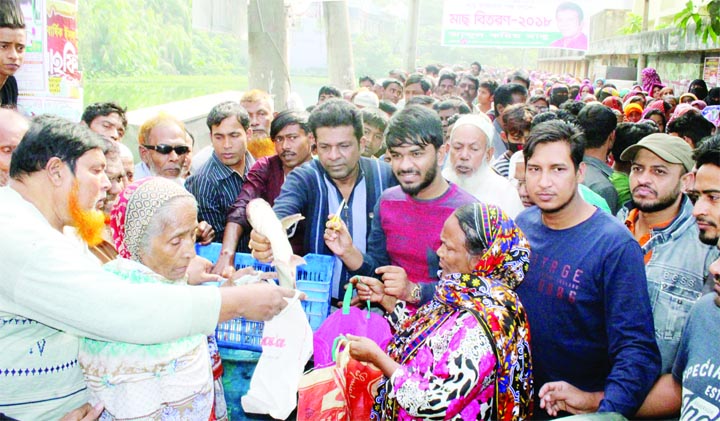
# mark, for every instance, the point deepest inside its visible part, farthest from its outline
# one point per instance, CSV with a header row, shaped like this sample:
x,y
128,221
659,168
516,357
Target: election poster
x,y
50,81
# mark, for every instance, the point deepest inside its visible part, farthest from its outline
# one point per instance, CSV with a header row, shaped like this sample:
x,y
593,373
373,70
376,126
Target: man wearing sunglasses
x,y
163,148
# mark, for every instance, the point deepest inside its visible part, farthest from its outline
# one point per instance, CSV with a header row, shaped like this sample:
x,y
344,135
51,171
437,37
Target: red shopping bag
x,y
342,392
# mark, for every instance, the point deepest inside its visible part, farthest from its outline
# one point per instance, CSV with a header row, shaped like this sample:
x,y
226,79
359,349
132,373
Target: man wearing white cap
x,y
470,168
660,218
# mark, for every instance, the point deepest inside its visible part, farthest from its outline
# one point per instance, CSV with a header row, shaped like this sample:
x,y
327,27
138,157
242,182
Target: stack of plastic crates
x,y
314,278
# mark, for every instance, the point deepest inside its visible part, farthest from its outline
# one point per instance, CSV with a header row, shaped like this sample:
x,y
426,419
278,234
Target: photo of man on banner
x,y
569,17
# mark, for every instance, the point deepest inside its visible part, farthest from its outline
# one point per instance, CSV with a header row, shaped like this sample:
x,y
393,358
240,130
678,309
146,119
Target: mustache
x,y
706,221
645,186
408,172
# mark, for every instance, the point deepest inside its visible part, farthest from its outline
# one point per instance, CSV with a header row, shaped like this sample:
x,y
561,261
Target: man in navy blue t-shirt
x,y
593,345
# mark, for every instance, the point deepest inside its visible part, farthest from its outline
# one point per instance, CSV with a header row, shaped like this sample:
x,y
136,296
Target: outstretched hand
x,y
562,396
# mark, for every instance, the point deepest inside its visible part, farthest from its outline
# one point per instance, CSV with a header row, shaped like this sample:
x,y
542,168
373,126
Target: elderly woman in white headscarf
x,y
153,224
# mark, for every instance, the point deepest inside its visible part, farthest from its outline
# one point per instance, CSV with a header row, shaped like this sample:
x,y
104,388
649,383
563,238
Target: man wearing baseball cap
x,y
660,218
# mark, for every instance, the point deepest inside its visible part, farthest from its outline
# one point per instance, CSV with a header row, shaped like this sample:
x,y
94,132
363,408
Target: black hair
x,y
471,78
425,84
375,118
329,90
707,153
475,244
628,134
572,106
227,109
598,123
414,125
517,118
11,16
476,63
101,109
536,98
432,69
49,137
520,75
656,112
504,94
388,82
693,125
366,79
452,103
543,117
387,107
421,100
287,118
490,84
335,113
571,6
557,131
449,75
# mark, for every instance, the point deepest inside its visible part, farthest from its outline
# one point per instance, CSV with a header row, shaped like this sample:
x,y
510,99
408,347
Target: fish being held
x,y
265,222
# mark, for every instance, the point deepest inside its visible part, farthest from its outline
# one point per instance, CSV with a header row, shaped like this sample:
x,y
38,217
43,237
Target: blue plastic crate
x,y
313,278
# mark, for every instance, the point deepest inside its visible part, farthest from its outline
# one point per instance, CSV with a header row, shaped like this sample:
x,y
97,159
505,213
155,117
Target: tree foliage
x,y
633,24
705,16
150,37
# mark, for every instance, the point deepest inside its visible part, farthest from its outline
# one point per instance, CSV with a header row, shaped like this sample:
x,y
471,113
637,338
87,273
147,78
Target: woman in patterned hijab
x,y
465,354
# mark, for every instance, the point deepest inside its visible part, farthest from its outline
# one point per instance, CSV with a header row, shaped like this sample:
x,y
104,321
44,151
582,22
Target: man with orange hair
x,y
259,106
163,148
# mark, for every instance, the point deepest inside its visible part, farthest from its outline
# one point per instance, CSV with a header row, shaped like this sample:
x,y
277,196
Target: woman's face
x,y
170,252
659,121
454,256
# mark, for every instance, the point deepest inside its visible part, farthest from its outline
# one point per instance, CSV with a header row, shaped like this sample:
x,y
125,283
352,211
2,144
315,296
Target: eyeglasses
x,y
167,149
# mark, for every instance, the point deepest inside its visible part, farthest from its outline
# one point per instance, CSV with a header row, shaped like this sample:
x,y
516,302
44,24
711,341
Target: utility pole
x,y
268,49
642,59
412,34
339,49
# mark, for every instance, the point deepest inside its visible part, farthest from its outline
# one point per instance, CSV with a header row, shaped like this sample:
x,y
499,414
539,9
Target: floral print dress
x,y
451,376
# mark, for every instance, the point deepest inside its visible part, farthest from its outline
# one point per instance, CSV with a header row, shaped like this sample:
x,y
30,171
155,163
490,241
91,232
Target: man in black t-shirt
x,y
12,50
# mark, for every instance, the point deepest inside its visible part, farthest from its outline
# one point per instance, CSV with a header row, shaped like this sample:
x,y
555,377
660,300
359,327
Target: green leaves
x,y
705,16
150,37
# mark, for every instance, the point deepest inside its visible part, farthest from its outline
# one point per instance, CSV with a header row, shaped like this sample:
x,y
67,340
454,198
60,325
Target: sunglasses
x,y
167,149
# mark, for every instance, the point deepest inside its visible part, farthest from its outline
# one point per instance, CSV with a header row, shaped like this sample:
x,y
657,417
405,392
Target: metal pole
x,y
412,34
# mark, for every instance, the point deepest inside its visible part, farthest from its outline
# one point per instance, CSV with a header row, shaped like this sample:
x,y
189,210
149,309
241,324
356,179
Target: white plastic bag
x,y
287,345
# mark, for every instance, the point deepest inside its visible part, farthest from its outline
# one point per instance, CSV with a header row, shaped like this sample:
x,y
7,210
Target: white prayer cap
x,y
481,121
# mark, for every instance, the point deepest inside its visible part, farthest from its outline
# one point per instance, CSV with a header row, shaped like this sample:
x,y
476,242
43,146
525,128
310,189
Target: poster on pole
x,y
49,80
521,23
711,70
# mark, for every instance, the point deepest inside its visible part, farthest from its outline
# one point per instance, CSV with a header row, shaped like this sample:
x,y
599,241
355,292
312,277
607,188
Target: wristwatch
x,y
416,294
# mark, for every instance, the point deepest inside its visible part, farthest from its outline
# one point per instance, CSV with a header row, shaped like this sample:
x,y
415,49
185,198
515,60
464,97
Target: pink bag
x,y
350,320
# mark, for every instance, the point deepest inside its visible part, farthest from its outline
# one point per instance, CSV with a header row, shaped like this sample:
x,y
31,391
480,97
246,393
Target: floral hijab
x,y
488,293
135,208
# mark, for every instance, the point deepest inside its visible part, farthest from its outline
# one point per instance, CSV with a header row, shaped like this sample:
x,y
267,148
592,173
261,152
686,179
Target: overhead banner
x,y
521,23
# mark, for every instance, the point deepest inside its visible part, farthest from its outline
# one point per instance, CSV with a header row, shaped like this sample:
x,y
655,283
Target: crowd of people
x,y
541,245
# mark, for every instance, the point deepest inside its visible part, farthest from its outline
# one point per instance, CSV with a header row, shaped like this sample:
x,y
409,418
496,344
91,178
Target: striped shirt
x,y
215,187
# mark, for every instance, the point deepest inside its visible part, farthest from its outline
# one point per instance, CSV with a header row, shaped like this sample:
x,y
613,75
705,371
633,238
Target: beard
x,y
662,202
470,182
4,178
261,147
426,181
88,223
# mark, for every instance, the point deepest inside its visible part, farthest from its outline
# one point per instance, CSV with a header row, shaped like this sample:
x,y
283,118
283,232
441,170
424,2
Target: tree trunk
x,y
340,59
268,49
